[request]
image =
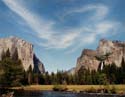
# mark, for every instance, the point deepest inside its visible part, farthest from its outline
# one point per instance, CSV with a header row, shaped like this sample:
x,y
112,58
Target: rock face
x,y
25,52
38,65
88,59
71,71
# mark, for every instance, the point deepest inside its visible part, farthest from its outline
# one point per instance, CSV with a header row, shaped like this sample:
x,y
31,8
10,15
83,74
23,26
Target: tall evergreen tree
x,y
3,55
13,70
123,70
81,75
30,75
15,55
7,53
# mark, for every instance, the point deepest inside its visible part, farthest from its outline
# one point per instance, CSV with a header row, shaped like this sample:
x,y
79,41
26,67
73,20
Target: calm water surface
x,y
58,94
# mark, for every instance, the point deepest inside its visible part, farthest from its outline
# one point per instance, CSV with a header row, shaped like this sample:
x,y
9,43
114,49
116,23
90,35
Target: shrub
x,y
113,89
91,90
59,88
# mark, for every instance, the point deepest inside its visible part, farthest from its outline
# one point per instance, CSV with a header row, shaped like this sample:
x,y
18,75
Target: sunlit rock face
x,y
25,52
88,59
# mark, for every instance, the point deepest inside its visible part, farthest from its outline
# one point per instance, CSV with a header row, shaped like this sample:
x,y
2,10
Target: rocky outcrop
x,y
38,65
25,52
115,48
71,71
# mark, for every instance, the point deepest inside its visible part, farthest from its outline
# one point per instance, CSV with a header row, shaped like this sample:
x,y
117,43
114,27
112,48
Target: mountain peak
x,y
88,59
25,51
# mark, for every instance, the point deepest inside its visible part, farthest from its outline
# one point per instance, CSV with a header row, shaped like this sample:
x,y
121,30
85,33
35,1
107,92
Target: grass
x,y
76,88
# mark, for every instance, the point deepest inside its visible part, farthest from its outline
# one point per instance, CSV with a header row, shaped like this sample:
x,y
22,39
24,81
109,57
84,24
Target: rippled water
x,y
59,94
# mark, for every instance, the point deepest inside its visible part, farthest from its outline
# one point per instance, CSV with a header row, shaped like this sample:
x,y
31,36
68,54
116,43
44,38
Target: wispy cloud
x,y
34,21
43,29
98,11
85,34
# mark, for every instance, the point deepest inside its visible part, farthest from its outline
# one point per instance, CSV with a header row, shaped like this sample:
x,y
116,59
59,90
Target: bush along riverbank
x,y
60,88
110,89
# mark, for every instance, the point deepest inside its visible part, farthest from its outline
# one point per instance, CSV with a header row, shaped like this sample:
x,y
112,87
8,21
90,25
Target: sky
x,y
61,29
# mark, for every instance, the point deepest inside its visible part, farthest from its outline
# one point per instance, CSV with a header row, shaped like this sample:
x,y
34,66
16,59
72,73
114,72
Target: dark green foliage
x,y
102,79
12,70
15,55
47,78
36,78
30,75
7,53
110,74
81,75
3,55
13,74
123,71
41,79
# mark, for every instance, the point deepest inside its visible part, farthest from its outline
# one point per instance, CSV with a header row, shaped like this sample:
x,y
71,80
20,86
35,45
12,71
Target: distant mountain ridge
x,y
88,59
25,52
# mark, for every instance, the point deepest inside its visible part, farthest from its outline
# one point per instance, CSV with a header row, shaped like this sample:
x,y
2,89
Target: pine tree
x,y
13,70
3,55
123,70
15,55
7,53
41,79
81,75
30,73
36,78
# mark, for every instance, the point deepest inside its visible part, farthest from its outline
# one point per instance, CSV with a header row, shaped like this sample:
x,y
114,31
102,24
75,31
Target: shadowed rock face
x,y
25,52
88,60
38,65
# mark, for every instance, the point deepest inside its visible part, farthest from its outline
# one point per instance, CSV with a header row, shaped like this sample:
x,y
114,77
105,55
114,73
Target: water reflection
x,y
44,94
59,94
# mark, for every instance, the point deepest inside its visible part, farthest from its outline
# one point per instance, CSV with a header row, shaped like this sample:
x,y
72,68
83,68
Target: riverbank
x,y
120,89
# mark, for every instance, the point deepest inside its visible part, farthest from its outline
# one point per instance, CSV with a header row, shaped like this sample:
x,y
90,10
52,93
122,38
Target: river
x,y
60,94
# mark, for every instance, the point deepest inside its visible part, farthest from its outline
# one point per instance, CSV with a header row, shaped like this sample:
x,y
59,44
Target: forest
x,y
12,74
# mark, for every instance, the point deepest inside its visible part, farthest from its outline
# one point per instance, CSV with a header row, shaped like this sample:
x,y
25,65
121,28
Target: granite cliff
x,y
115,48
71,71
25,52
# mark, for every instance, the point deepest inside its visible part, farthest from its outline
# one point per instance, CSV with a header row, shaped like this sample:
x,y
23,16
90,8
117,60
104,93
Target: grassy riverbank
x,y
76,88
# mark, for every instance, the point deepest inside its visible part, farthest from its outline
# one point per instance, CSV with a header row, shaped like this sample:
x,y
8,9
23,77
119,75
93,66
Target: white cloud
x,y
107,28
62,41
35,22
99,30
42,27
83,35
98,11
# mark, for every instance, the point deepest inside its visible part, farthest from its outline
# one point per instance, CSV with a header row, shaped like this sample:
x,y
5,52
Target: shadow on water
x,y
22,93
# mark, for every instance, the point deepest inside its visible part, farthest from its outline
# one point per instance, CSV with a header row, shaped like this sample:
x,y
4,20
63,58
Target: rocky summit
x,y
25,52
115,49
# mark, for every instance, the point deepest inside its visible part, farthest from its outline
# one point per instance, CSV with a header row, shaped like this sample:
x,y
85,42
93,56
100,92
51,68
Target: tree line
x,y
13,74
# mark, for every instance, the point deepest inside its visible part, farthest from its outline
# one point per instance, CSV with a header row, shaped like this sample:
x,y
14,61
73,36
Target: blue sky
x,y
61,29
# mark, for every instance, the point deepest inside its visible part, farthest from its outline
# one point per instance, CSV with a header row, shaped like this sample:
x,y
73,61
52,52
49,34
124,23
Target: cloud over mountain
x,y
51,39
